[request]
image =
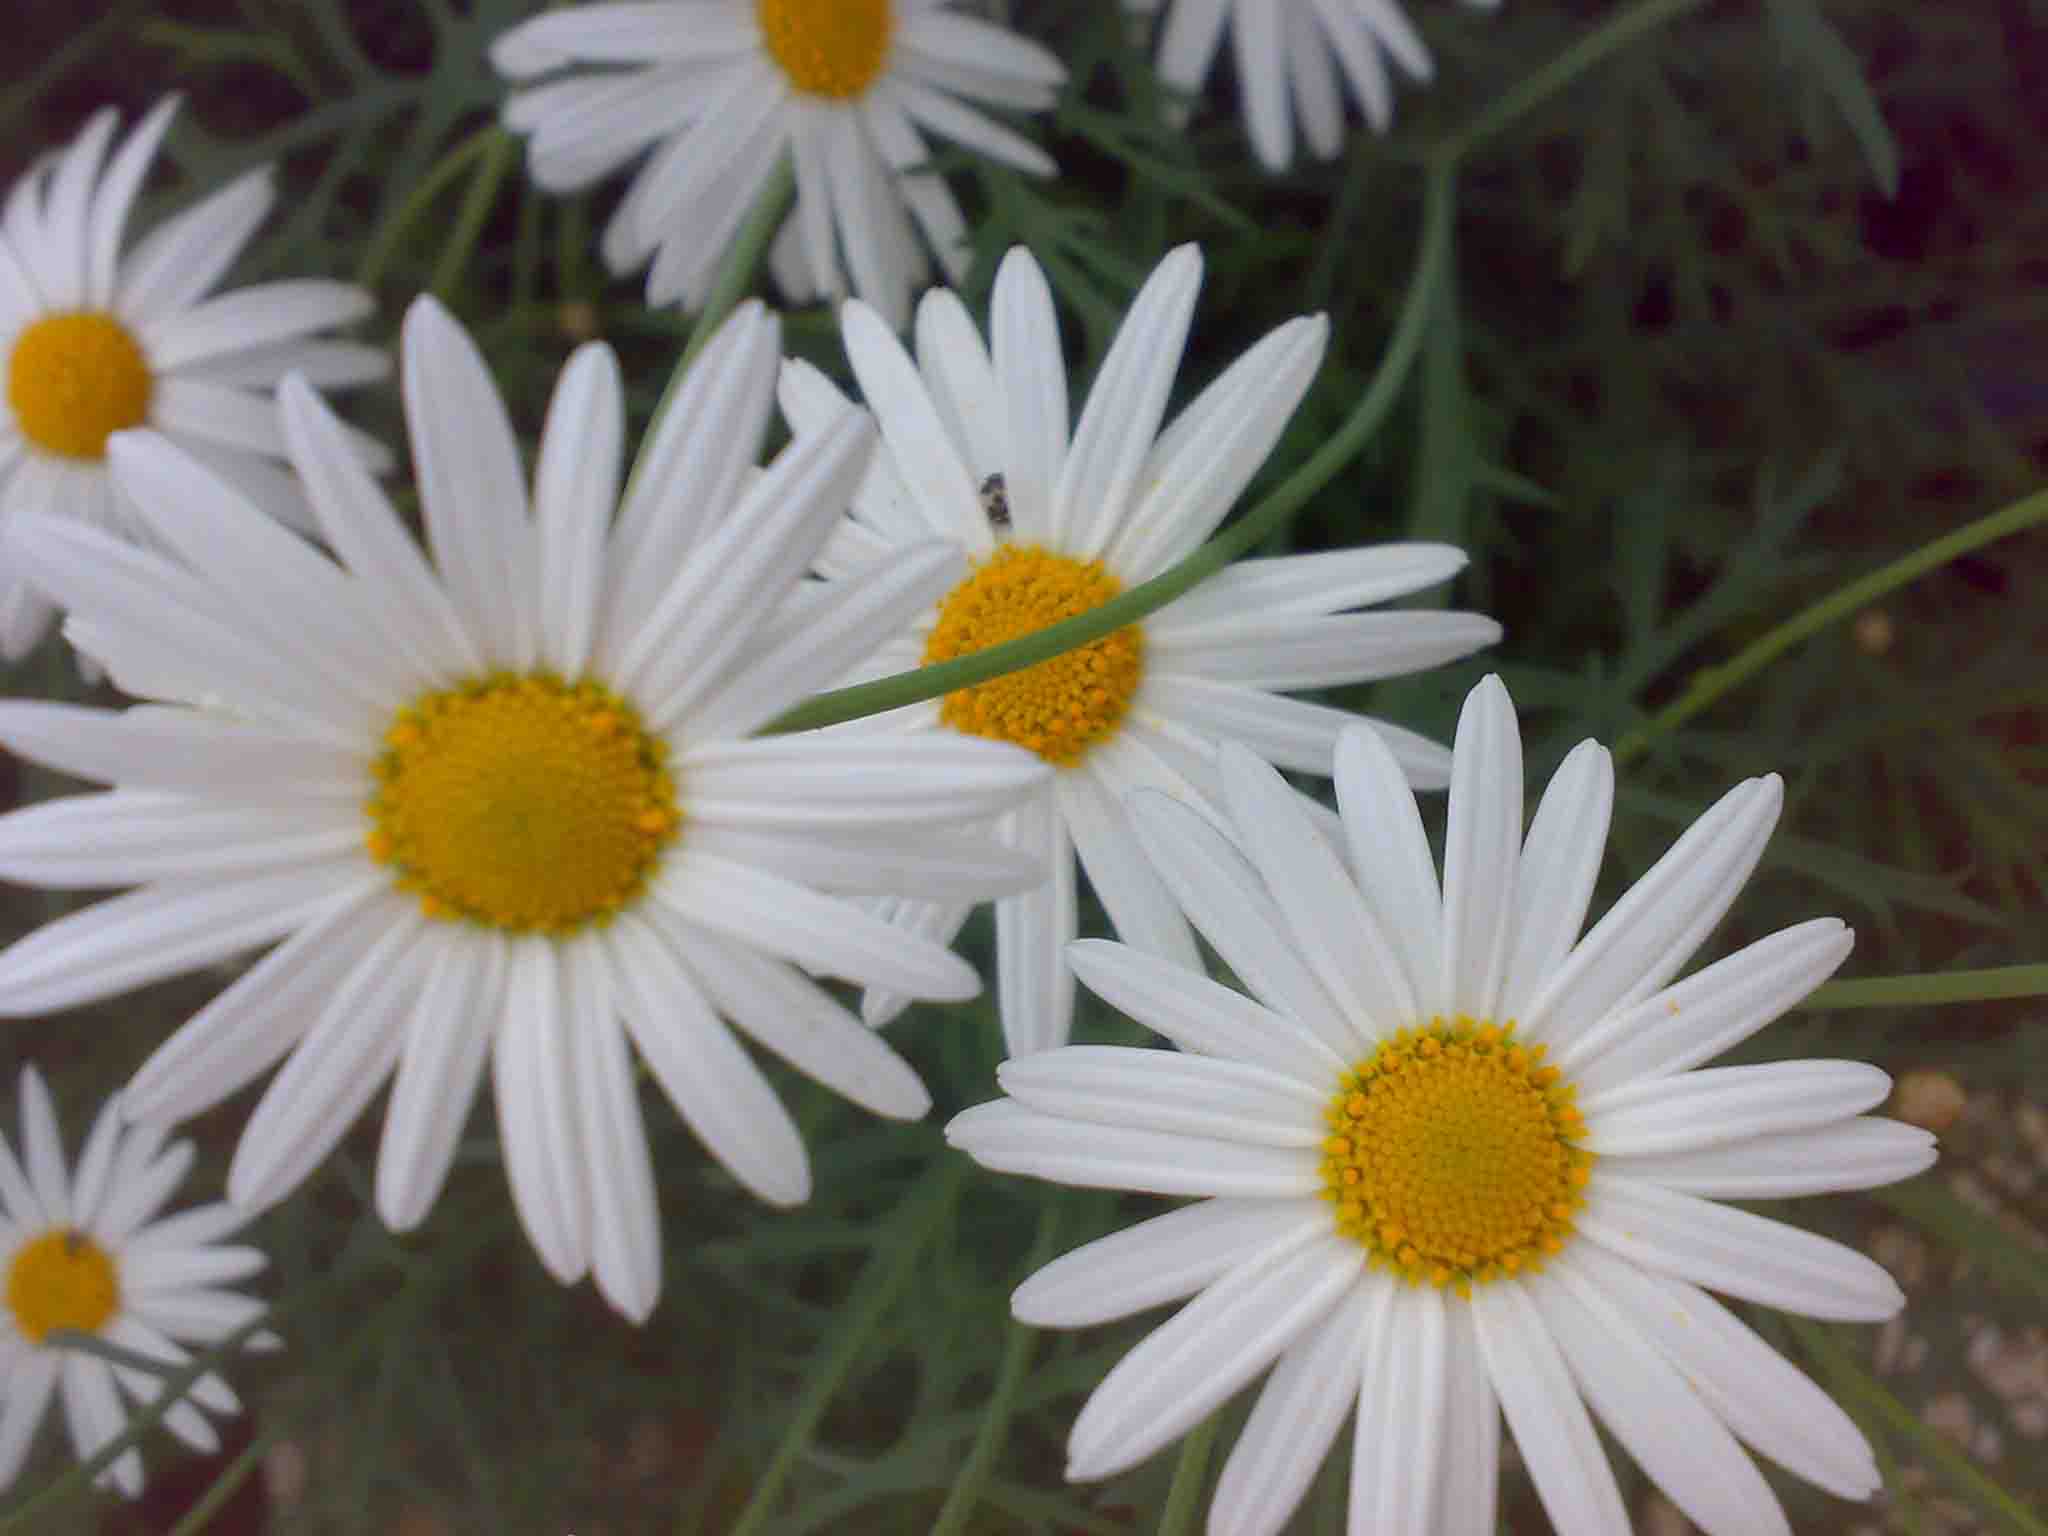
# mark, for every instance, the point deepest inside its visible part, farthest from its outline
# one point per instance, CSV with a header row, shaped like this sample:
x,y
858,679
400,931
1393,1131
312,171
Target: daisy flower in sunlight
x,y
977,451
1290,57
94,341
507,809
86,1252
715,92
1458,1165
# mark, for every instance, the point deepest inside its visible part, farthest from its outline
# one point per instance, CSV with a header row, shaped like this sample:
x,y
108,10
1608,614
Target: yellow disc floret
x,y
522,802
830,48
1059,708
76,378
1452,1155
62,1279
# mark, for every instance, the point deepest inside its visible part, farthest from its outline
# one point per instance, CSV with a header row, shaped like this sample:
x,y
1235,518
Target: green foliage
x,y
1696,349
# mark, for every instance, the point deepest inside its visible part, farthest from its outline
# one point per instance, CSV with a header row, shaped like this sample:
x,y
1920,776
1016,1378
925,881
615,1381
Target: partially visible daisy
x,y
507,809
976,451
1456,1164
720,90
94,341
87,1253
1290,56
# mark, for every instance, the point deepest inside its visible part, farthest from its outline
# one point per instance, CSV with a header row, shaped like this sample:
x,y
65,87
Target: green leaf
x,y
1804,35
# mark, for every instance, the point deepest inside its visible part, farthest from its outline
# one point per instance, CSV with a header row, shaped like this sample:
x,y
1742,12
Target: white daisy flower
x,y
87,1253
507,808
720,90
976,451
94,341
1455,1162
1290,57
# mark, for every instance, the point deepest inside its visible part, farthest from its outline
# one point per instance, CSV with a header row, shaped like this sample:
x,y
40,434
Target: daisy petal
x,y
1391,861
575,488
1297,1415
1209,1349
1036,990
1167,1091
1735,1252
447,1038
1139,907
1011,1139
1398,1437
535,1089
1718,1105
1558,868
1163,1259
618,1178
1468,1466
1648,1406
1864,1153
1024,344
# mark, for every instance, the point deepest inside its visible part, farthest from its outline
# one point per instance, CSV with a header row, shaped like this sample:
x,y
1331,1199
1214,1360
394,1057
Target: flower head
x,y
1457,1161
85,1252
94,342
1054,520
715,92
507,808
1296,59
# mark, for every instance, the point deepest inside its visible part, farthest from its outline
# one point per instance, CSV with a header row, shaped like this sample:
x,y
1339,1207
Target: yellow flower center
x,y
62,1279
75,379
522,802
1059,708
830,48
1452,1155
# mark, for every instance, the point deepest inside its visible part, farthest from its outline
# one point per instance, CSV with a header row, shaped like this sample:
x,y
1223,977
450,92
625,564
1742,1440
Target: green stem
x,y
1710,683
1936,1447
1288,498
1933,987
500,151
895,1261
735,277
995,1419
1610,37
1190,1473
377,255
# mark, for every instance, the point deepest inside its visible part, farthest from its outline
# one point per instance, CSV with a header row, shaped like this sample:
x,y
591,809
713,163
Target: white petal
x,y
1710,1011
92,1414
1024,344
181,750
158,931
1140,909
719,1092
1012,1139
184,256
532,1076
821,933
1468,1466
618,1178
575,488
1225,899
1167,1091
843,781
1201,1015
1766,1400
945,867
1327,917
95,1162
29,1384
1648,1406
259,315
1296,1418
126,837
1035,988
1647,936
803,1024
1559,865
1718,1105
1399,1433
472,488
42,1149
1736,1252
1328,581
238,1036
1126,403
1391,861
926,459
1325,650
334,1073
1262,82
140,1191
1864,1153
447,1038
179,1269
1209,1349
1551,1426
1163,1259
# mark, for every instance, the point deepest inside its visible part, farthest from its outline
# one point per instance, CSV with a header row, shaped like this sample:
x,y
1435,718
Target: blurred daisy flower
x,y
94,341
1458,1165
87,1253
976,450
720,90
507,808
1295,59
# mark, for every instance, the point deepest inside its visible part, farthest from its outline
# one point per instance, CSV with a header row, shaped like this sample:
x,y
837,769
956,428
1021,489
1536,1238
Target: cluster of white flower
x,y
504,804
